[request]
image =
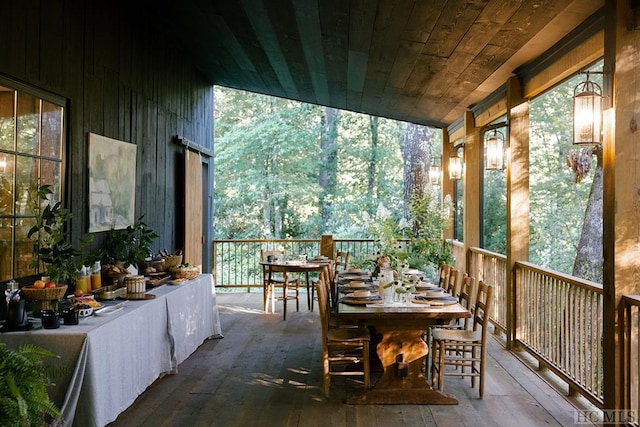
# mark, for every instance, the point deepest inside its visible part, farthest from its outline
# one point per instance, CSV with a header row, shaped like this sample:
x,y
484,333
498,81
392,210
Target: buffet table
x,y
112,359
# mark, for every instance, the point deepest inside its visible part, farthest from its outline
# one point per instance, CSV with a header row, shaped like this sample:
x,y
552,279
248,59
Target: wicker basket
x,y
185,272
171,261
158,265
44,296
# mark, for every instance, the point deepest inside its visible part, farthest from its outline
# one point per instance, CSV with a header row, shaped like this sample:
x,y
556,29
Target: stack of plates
x,y
357,284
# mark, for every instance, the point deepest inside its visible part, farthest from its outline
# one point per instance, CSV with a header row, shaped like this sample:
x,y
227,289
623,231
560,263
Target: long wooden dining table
x,y
401,350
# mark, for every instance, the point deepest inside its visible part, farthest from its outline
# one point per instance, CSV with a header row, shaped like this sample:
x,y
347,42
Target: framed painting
x,y
112,183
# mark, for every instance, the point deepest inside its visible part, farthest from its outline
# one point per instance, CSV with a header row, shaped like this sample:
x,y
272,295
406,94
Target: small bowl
x,y
85,312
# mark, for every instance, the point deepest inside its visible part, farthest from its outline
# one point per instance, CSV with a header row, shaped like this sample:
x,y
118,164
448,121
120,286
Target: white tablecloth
x,y
113,359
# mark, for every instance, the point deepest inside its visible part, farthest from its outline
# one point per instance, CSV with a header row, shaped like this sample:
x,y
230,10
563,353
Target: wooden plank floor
x,y
267,372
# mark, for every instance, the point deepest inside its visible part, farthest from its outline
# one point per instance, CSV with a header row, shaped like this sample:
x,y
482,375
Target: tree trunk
x,y
372,195
589,256
329,162
416,156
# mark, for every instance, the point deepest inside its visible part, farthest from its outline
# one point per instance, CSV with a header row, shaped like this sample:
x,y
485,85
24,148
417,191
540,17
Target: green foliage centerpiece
x,y
387,234
429,219
426,249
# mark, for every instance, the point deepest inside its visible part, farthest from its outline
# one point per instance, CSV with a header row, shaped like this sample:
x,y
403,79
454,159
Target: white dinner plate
x,y
108,311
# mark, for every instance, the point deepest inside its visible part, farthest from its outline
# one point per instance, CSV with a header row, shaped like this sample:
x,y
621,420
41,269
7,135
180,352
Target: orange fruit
x,y
78,292
38,284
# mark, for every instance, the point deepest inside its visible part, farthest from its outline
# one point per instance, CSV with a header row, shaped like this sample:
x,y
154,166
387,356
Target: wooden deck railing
x,y
558,319
236,263
631,352
491,268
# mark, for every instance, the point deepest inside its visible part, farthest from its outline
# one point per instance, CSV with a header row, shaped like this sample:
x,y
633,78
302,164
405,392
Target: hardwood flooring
x,y
268,372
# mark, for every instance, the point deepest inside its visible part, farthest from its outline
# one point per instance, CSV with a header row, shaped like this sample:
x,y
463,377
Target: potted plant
x,y
131,245
23,386
52,250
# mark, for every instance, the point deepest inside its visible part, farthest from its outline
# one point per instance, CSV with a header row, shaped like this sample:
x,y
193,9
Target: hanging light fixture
x,y
587,113
495,150
455,166
434,172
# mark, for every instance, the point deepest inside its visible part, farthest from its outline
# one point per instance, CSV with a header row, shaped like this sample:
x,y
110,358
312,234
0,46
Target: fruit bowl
x,y
44,296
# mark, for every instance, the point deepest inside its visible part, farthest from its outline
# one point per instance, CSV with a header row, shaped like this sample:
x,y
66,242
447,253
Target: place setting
x,y
353,286
361,297
435,297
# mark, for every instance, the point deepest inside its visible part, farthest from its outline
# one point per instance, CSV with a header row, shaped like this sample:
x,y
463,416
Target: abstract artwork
x,y
112,183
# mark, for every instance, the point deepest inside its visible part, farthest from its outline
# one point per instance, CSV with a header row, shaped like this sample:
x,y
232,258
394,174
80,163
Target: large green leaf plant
x,y
23,387
51,246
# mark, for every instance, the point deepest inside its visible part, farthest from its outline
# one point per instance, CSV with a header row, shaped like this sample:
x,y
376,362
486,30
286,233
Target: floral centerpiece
x,y
415,242
387,234
427,250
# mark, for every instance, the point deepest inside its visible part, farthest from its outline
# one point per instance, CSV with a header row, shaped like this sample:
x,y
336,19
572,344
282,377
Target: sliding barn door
x,y
193,208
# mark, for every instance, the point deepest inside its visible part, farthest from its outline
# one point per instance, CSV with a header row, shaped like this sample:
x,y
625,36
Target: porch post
x,y
621,187
472,186
327,246
517,196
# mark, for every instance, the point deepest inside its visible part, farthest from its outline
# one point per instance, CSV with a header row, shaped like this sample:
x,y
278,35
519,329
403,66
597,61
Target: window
x,y
32,140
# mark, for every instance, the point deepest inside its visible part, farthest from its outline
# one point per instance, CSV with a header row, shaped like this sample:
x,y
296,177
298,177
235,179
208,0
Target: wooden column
x,y
472,179
517,194
446,184
621,184
327,246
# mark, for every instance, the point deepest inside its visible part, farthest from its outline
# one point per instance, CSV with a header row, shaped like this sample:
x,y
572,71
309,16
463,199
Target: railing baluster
x,y
563,315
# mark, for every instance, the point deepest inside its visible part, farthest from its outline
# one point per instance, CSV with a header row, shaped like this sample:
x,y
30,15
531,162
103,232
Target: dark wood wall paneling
x,y
122,80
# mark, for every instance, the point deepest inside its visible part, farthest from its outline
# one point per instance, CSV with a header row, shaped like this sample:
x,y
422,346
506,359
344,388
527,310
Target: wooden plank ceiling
x,y
423,61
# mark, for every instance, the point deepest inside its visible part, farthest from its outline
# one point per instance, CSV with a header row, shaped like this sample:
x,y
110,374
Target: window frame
x,y
41,96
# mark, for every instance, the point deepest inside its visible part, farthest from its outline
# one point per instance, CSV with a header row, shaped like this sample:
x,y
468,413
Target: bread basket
x,y
185,272
171,261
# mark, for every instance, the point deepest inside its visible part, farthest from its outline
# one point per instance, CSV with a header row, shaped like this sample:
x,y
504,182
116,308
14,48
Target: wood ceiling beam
x,y
268,39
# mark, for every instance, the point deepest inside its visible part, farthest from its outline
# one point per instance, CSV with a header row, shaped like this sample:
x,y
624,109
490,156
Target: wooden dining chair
x,y
444,271
277,280
341,262
340,265
453,282
341,347
329,273
465,349
464,297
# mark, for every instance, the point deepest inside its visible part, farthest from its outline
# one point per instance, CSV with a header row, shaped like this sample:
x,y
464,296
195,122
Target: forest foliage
x,y
269,157
285,169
